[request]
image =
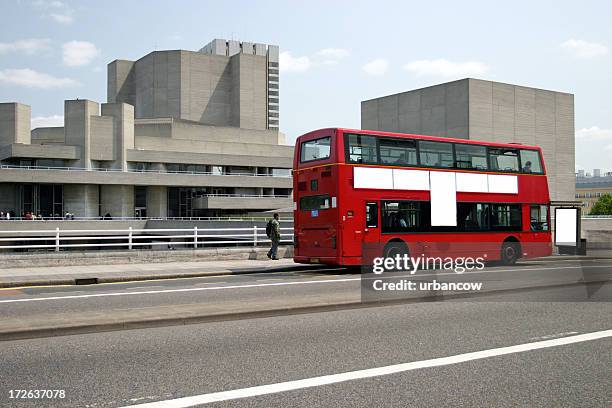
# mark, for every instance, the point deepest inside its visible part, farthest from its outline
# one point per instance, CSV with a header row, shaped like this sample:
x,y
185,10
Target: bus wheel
x,y
395,248
510,252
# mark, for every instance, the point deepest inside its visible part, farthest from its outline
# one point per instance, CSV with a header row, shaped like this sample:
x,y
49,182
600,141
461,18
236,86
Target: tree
x,y
603,206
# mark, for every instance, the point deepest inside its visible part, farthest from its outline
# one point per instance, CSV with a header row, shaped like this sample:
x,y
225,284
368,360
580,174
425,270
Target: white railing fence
x,y
134,238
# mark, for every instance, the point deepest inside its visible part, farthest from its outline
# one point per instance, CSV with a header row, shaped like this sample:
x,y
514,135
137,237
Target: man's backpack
x,y
269,229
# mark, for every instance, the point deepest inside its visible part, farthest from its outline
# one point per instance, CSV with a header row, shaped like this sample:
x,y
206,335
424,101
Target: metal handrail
x,y
101,169
132,237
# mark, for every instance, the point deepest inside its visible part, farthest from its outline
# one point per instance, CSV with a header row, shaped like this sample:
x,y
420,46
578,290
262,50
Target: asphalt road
x,y
162,364
281,289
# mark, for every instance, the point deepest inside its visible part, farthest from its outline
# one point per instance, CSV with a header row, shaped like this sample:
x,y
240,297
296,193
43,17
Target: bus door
x,y
371,229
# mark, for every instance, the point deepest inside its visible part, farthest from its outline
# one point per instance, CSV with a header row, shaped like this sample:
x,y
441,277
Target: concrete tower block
x,y
77,127
123,131
14,123
120,82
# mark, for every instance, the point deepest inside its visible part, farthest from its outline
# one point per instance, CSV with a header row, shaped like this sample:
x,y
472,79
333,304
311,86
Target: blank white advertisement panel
x,y
372,177
566,226
500,183
410,179
472,183
443,198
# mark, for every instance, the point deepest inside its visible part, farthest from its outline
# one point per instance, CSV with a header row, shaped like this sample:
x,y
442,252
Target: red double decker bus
x,y
417,194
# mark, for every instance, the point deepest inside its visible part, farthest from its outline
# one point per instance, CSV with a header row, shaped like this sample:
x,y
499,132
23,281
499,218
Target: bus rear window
x,y
317,149
317,202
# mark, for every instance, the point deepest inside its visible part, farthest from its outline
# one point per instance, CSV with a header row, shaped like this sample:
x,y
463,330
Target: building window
x,y
471,156
502,159
436,154
281,172
398,151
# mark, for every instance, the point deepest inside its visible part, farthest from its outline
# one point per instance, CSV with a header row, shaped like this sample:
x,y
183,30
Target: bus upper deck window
x,y
317,149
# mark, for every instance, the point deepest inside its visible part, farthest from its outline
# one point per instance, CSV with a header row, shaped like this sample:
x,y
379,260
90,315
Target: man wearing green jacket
x,y
274,237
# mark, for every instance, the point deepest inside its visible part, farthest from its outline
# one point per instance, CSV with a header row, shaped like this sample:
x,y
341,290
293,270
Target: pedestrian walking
x,y
273,232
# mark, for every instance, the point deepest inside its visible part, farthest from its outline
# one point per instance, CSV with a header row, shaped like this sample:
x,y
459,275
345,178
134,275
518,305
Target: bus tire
x,y
394,248
510,252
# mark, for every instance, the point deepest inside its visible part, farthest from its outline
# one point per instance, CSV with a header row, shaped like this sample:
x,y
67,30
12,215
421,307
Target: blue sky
x,y
334,53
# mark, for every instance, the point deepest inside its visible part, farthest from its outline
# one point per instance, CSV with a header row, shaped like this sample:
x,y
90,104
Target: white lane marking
x,y
259,285
552,336
368,373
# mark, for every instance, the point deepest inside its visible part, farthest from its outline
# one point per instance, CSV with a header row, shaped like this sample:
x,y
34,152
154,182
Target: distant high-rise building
x,y
580,173
596,172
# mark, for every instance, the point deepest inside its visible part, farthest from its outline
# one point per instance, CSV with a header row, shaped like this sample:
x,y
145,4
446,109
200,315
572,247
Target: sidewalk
x,y
71,275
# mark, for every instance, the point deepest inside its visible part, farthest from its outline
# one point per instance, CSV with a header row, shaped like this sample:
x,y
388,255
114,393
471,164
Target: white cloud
x,y
584,49
289,63
330,56
47,121
445,68
62,18
376,67
78,53
29,46
594,133
32,79
56,10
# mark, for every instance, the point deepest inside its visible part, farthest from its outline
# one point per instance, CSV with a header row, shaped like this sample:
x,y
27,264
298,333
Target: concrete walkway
x,y
70,275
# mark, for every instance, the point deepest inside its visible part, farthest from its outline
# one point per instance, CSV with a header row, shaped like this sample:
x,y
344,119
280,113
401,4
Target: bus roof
x,y
422,137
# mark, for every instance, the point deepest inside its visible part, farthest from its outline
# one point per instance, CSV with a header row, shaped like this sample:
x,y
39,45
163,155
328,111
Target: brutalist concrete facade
x,y
184,134
226,83
489,111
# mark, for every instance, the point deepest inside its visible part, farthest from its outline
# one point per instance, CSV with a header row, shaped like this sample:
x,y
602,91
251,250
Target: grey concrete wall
x,y
158,156
81,200
117,200
206,85
123,131
139,179
77,120
38,151
101,139
180,145
157,84
509,113
48,135
239,203
121,86
440,110
249,91
157,201
14,123
181,129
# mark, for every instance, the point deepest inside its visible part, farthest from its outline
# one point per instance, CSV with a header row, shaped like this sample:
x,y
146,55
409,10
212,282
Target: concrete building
x,y
488,111
590,189
183,134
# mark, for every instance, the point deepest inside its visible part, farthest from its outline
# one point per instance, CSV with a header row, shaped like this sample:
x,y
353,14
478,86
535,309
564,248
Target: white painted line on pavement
x,y
259,285
368,373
